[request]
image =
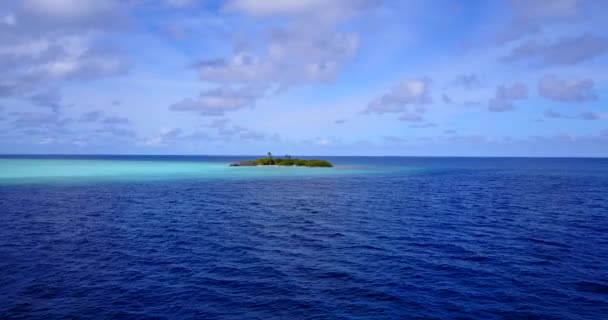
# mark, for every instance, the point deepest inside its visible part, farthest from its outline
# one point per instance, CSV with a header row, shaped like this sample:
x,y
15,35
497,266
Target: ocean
x,y
187,237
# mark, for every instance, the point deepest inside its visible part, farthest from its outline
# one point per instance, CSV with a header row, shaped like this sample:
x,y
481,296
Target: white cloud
x,y
91,116
249,135
217,101
566,90
467,81
515,91
531,17
318,9
165,136
264,8
408,92
71,9
587,115
46,140
289,52
564,51
498,105
411,117
291,57
505,95
548,9
52,41
47,61
8,19
325,142
181,3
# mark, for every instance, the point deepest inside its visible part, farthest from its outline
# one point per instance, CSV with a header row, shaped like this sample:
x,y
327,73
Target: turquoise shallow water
x,y
133,169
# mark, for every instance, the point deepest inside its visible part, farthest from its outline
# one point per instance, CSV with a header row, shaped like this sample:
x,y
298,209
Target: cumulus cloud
x,y
69,8
411,117
408,92
228,131
115,120
218,123
62,129
83,12
548,9
337,9
446,99
566,90
325,141
47,140
216,102
394,139
268,8
530,17
117,132
241,67
498,105
181,3
258,136
92,116
587,115
165,136
310,46
49,42
41,122
225,130
505,95
8,19
471,138
300,51
54,65
564,51
218,130
553,114
50,98
515,91
292,57
467,81
423,125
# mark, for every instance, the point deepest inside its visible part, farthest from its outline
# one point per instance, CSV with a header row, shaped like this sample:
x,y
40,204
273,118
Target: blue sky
x,y
308,77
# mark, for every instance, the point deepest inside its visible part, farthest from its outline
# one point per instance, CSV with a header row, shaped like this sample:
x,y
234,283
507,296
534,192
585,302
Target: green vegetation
x,y
286,161
289,161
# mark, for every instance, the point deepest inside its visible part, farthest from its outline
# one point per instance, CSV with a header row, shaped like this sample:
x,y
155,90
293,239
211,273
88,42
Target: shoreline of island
x,y
287,161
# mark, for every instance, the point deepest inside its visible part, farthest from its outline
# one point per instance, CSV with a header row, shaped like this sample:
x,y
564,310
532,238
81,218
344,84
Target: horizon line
x,y
333,156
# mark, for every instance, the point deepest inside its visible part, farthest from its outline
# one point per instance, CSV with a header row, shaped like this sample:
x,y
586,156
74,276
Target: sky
x,y
304,77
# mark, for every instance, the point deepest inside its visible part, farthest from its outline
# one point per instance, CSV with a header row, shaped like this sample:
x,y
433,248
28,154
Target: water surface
x,y
89,169
372,238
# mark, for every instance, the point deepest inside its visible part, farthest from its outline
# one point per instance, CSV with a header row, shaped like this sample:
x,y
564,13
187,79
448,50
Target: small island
x,y
287,161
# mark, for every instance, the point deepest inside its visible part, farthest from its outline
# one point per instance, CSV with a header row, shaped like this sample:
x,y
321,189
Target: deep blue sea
x,y
372,238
